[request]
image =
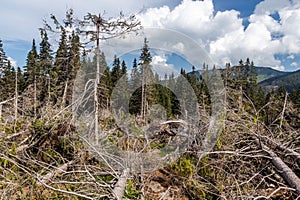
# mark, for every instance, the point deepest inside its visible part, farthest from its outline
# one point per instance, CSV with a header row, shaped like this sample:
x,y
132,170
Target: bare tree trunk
x,y
47,178
97,82
289,176
16,100
143,93
119,189
34,97
241,98
283,110
49,88
65,94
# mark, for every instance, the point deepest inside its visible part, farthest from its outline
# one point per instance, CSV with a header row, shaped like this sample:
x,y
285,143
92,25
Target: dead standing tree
x,y
102,30
97,28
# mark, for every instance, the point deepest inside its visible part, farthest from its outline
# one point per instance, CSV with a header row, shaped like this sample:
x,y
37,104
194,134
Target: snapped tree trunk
x,y
119,189
289,176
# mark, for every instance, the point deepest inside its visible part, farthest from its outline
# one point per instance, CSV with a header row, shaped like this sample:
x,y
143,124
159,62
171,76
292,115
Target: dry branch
x,y
119,189
289,176
45,179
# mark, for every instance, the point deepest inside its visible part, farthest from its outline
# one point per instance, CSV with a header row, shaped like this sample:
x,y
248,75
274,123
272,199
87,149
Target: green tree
x,y
31,70
105,83
32,74
45,53
73,66
61,60
147,74
3,58
116,71
45,63
8,81
136,92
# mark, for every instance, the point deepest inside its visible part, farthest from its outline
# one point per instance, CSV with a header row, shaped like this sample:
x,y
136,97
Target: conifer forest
x,y
73,126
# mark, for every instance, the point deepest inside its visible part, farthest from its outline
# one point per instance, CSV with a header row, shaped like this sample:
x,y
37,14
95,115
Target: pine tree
x,y
3,59
32,74
61,63
45,54
3,65
45,63
116,71
31,70
145,60
105,83
73,66
135,89
121,90
8,80
21,81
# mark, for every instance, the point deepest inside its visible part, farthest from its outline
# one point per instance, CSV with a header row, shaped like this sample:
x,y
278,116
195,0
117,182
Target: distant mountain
x,y
264,73
290,80
270,78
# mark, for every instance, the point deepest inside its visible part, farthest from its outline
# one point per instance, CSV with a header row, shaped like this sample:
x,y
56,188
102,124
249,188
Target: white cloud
x,y
292,56
224,37
280,68
161,67
221,35
20,20
270,6
294,64
12,61
193,18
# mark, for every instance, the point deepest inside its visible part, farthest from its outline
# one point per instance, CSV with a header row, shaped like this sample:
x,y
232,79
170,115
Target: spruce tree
x,y
146,73
135,89
3,58
73,65
45,54
8,81
31,76
104,85
61,65
31,70
45,63
116,71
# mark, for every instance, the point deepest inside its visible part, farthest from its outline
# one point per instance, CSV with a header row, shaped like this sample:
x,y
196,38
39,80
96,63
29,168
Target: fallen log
x,y
287,174
52,174
119,189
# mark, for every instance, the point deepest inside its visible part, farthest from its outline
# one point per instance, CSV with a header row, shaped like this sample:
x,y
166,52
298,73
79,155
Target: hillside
x,y
270,78
265,73
290,81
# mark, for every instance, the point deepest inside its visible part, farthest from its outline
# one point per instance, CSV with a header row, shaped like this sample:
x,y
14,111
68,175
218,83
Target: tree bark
x,y
45,179
289,176
119,189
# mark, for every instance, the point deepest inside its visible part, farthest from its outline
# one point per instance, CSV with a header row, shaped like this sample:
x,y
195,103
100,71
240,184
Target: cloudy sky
x,y
266,31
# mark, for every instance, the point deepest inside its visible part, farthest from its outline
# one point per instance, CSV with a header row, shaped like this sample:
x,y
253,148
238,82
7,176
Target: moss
x,y
183,167
131,192
196,191
155,145
106,177
8,129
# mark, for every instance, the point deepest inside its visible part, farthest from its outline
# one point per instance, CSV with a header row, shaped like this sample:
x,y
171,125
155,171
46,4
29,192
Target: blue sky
x,y
266,31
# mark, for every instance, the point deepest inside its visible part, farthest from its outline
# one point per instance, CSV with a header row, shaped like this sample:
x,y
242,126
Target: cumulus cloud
x,y
199,32
294,64
270,6
223,36
20,20
161,67
292,56
193,18
13,62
